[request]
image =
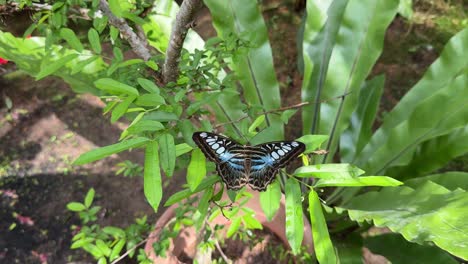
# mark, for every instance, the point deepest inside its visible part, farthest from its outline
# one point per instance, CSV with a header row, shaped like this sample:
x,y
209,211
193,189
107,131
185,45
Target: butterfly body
x,y
240,165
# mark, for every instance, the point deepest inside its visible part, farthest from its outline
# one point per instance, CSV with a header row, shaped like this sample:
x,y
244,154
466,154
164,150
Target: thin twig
x,y
139,46
221,252
182,23
139,244
280,110
218,247
221,207
130,250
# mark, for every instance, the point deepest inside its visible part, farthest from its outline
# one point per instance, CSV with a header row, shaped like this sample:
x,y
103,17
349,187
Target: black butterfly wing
x,y
222,150
275,155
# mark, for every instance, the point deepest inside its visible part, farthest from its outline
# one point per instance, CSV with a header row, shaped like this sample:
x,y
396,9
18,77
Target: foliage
x,y
105,244
231,77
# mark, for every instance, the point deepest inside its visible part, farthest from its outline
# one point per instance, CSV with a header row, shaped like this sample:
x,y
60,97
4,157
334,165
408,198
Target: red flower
x,y
3,61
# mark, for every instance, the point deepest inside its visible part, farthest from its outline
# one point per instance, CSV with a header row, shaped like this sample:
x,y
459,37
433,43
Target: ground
x,y
44,126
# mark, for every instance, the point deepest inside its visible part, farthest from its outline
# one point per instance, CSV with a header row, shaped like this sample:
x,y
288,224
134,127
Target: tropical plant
x,y
341,41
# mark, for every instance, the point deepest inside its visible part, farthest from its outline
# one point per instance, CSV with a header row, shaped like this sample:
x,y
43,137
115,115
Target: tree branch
x,y
182,23
139,45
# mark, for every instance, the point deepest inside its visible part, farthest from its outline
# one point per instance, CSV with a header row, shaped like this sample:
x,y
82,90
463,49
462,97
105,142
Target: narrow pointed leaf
x,y
168,153
359,132
429,213
358,181
103,152
196,169
294,215
322,243
121,108
69,36
270,200
48,67
254,63
111,85
152,176
434,154
329,171
399,251
93,37
353,56
440,75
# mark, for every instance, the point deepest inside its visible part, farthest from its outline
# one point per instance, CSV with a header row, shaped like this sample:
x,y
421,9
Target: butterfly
x,y
240,165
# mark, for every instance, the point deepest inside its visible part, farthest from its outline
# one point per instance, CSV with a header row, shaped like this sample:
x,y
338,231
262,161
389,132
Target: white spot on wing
x,y
210,139
215,146
274,155
294,144
220,150
281,152
203,134
287,147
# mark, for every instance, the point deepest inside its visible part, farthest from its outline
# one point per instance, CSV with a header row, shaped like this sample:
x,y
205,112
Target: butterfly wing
x,y
224,152
275,155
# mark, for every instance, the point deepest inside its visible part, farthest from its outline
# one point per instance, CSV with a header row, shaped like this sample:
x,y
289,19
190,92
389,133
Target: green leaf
x,y
358,181
134,121
329,171
294,215
162,116
115,8
102,260
312,142
117,249
235,225
168,153
69,36
321,28
251,222
121,108
196,169
431,213
424,123
89,198
81,242
93,250
103,152
82,64
416,109
148,85
258,121
103,247
359,131
322,243
270,200
114,86
48,67
181,149
204,201
286,115
434,154
76,207
150,100
450,180
179,196
340,69
114,231
254,63
405,9
399,251
93,37
152,175
145,125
